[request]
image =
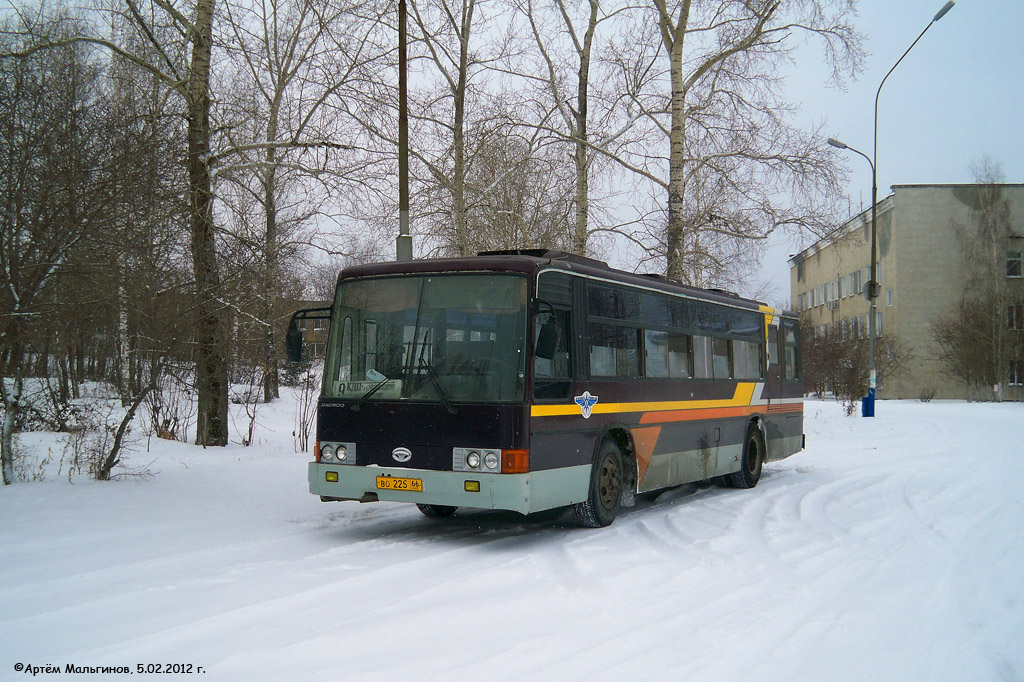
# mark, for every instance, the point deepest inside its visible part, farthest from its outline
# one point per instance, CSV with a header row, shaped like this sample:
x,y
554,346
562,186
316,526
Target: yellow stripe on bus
x,y
744,392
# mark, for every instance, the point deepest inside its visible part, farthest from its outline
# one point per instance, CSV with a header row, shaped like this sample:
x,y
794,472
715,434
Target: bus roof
x,y
531,261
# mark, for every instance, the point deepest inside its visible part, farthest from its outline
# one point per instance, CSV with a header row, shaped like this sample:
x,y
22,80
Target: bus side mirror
x,y
293,342
547,340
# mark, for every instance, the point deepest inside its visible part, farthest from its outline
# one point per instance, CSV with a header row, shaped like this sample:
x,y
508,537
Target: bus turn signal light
x,y
515,461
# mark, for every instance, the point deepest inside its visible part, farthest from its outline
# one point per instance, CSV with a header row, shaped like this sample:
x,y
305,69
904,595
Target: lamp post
x,y
873,288
871,292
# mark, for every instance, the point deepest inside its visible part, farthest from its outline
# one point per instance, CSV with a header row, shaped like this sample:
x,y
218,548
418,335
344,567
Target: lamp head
x,y
942,12
833,142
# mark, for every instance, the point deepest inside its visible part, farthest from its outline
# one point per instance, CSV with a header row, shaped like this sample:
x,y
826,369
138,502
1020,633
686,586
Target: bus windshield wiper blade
x,y
436,381
366,396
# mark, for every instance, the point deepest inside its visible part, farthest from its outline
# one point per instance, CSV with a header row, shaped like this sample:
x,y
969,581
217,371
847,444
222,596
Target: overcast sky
x,y
958,95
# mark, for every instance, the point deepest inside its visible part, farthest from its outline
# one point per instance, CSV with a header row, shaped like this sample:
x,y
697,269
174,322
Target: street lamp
x,y
873,288
868,409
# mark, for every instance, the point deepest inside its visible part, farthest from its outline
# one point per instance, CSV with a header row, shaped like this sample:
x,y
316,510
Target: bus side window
x,y
702,357
720,358
551,376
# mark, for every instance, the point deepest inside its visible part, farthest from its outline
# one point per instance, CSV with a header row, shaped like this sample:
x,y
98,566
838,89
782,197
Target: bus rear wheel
x,y
606,481
436,511
752,461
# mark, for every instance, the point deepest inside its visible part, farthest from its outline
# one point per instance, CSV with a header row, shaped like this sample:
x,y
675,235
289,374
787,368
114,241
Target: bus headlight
x,y
338,453
476,459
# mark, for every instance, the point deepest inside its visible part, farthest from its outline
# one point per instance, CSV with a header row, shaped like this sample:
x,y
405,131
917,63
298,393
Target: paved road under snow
x,y
891,549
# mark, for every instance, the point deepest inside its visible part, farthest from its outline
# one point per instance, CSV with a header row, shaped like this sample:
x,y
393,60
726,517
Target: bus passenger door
x,y
773,381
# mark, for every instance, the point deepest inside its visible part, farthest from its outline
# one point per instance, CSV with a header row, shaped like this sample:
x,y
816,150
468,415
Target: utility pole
x,y
403,245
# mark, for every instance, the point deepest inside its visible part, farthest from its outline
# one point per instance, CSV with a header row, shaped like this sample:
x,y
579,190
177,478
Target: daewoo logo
x,y
401,454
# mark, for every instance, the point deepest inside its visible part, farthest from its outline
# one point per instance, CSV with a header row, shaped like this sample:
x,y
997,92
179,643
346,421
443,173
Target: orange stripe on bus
x,y
693,415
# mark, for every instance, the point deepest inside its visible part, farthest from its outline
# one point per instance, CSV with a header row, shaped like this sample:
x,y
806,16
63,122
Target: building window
x,y
1015,377
800,270
888,297
1015,317
878,324
1014,266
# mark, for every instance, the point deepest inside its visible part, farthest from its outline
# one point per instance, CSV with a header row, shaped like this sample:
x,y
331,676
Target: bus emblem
x,y
586,403
401,454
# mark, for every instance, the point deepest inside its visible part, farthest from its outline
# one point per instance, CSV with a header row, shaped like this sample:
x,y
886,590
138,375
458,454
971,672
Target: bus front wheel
x,y
606,481
436,511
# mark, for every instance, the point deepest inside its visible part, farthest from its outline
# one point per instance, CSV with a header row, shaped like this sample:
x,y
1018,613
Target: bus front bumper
x,y
523,493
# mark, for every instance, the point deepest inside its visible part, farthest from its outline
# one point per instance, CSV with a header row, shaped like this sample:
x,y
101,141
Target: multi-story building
x,y
924,234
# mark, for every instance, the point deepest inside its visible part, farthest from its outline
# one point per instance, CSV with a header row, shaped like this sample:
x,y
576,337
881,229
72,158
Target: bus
x,y
530,380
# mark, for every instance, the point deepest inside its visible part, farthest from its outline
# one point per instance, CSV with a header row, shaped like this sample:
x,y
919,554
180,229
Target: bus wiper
x,y
436,381
366,396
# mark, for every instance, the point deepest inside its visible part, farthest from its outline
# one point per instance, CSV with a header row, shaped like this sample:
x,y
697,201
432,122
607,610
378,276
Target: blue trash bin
x,y
867,404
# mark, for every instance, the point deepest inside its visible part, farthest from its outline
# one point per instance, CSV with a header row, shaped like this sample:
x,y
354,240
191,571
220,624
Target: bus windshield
x,y
438,338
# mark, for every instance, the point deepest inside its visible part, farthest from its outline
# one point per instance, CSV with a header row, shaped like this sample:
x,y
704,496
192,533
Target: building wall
x,y
920,263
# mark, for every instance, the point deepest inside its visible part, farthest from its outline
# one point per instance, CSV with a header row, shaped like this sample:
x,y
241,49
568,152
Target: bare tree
x,y
294,57
57,186
521,189
175,45
445,31
566,83
836,361
736,169
979,340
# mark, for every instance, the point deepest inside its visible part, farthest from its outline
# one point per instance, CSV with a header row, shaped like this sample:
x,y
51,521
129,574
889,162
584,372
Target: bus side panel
x,y
672,446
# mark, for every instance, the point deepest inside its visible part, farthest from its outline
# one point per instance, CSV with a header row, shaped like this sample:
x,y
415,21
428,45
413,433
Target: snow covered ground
x,y
891,549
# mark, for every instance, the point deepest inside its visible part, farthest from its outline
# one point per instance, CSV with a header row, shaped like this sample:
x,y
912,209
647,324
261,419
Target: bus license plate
x,y
414,485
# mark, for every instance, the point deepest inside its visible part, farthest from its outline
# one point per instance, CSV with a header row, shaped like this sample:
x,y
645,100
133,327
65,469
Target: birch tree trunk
x,y
674,39
12,408
582,156
271,389
462,245
211,354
